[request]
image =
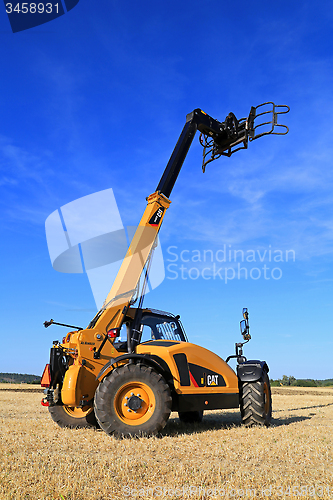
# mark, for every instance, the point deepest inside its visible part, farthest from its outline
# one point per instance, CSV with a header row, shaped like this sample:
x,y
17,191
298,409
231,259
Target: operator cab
x,y
159,325
155,325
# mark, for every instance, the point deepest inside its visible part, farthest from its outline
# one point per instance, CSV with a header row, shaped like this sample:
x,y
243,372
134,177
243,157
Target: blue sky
x,y
97,98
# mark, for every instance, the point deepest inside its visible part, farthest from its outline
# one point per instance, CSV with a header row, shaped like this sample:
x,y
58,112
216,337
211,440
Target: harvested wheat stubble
x,y
41,461
303,391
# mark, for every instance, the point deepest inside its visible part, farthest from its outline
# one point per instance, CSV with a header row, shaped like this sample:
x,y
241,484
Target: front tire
x,y
256,402
69,416
134,400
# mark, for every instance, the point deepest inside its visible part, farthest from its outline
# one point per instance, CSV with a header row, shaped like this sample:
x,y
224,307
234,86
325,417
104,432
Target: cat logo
x,y
156,217
212,380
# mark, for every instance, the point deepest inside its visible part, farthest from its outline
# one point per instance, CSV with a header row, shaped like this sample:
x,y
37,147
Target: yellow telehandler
x,y
129,388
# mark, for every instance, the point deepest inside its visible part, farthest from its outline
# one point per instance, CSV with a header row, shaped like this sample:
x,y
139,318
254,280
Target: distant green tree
x,y
306,383
292,381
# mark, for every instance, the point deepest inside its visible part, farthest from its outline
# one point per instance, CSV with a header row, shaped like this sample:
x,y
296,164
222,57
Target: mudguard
x,y
79,386
158,364
69,393
251,370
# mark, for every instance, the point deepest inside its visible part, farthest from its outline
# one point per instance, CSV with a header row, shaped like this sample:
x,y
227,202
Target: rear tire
x,y
256,402
190,417
134,400
69,416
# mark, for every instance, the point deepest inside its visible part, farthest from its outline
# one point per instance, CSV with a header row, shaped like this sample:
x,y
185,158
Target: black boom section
x,y
182,367
197,120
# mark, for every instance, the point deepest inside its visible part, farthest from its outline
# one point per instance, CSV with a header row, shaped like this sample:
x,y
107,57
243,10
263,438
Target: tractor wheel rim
x,y
75,412
267,398
122,402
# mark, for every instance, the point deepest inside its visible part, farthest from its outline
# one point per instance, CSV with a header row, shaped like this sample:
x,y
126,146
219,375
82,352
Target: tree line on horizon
x,y
307,382
19,378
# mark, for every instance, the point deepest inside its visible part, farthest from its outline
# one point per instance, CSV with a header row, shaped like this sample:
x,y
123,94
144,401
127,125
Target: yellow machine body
x,y
80,381
193,371
200,379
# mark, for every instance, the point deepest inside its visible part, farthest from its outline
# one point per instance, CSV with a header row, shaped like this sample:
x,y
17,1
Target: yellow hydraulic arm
x,y
115,307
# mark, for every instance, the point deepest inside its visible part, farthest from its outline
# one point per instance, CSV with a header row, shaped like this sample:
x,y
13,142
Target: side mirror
x,y
244,325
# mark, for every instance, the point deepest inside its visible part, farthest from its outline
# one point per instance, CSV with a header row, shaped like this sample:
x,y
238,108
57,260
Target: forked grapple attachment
x,y
270,114
234,134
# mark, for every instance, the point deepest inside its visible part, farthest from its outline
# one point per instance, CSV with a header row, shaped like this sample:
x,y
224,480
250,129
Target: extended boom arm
x,y
217,138
220,138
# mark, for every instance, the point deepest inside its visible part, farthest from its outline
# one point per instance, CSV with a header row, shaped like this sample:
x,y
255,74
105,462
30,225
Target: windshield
x,y
158,326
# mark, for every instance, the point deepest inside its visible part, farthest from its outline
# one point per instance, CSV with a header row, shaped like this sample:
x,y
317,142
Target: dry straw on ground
x,y
291,459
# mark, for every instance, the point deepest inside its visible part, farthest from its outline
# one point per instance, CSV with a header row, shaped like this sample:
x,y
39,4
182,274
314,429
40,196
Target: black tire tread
x,y
110,423
60,417
252,402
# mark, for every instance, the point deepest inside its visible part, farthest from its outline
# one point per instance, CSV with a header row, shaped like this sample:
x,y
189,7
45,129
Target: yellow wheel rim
x,y
74,412
267,398
134,403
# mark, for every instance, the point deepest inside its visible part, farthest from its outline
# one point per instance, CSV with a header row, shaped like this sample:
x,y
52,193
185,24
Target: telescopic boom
x,y
217,138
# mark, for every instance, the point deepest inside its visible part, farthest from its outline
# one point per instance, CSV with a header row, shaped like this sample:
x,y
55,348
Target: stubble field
x,y
216,459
